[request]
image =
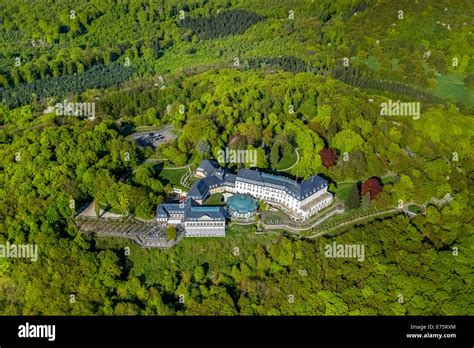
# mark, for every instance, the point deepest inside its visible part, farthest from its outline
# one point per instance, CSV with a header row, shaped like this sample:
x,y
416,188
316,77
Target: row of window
x,y
179,216
205,224
265,192
257,188
280,198
205,235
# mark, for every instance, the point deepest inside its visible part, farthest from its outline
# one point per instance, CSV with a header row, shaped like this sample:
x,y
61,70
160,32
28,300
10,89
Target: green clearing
x,y
452,87
414,209
372,63
342,190
214,199
171,176
276,217
286,161
236,230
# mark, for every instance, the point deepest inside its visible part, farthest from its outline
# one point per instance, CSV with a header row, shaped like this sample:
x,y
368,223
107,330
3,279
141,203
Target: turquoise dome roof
x,y
242,204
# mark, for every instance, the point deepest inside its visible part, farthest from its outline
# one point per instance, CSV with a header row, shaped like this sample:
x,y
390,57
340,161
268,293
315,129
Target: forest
x,y
228,23
144,67
100,76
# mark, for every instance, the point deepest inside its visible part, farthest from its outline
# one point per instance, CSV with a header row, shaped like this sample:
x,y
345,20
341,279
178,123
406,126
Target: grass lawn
x,y
452,87
342,190
414,209
274,216
286,161
171,176
215,199
235,230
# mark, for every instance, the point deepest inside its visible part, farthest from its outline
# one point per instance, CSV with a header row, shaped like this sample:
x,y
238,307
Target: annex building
x,y
300,200
198,221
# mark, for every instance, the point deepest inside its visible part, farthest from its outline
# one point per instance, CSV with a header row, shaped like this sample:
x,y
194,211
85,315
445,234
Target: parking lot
x,y
154,138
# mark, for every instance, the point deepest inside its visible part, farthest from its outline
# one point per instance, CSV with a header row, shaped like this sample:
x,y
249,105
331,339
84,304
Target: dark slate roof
x,y
199,190
163,210
191,211
219,173
213,181
250,175
312,185
229,179
217,179
297,190
208,167
215,213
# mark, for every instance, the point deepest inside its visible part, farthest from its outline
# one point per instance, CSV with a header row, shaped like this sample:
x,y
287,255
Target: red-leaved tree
x,y
373,186
328,157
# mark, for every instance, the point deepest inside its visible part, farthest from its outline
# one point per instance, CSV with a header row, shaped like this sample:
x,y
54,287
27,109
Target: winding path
x,y
299,229
394,210
151,160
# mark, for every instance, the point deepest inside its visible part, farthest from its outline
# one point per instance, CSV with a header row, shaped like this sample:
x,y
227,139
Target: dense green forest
x,y
223,24
270,76
99,76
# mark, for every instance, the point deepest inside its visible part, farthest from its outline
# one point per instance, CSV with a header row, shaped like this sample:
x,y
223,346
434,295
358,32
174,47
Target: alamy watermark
x,y
37,331
399,108
25,251
345,251
73,109
237,156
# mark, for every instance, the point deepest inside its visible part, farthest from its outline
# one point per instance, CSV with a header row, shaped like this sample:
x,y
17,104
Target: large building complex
x,y
300,200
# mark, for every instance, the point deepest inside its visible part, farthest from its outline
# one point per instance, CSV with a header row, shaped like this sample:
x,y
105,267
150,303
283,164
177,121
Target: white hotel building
x,y
298,199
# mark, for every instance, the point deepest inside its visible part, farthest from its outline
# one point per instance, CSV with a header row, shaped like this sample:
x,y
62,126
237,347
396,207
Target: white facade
x,y
273,194
204,228
226,188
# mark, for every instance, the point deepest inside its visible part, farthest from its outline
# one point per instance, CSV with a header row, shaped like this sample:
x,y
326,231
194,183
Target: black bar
x,y
243,331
